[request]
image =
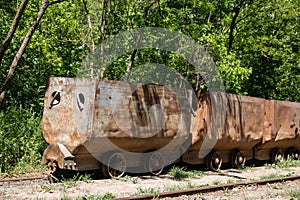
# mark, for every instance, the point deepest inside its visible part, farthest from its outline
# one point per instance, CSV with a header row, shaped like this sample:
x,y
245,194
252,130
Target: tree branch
x,y
133,54
210,12
21,50
102,36
12,30
55,2
91,35
237,10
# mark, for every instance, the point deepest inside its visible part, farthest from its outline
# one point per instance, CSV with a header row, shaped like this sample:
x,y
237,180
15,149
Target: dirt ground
x,y
133,185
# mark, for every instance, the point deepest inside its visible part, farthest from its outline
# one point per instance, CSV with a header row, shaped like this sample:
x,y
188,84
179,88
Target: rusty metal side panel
x,y
68,111
133,110
244,118
225,122
282,123
201,121
286,120
268,120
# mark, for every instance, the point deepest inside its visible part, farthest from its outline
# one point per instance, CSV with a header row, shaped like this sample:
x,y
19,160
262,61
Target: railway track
x,y
208,189
37,183
20,180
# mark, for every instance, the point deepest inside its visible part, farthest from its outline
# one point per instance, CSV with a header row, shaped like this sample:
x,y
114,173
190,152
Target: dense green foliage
x,y
21,139
255,45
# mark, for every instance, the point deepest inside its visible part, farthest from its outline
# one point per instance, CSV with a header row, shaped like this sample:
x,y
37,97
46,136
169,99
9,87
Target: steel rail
x,y
10,180
207,189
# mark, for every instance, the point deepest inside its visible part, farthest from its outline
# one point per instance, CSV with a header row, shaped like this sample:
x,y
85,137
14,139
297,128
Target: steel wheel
x,y
115,166
213,161
276,155
238,159
293,153
155,163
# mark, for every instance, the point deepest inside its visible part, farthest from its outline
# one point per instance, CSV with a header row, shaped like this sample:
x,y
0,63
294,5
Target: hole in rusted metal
x,y
56,99
80,101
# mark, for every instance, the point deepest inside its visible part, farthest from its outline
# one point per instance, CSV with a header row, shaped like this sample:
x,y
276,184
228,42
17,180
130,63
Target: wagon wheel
x,y
276,155
213,161
293,153
238,159
155,163
115,166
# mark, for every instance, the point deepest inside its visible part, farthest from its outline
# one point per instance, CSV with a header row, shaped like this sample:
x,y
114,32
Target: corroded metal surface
x,y
68,111
282,126
283,120
243,122
134,110
244,118
240,126
81,111
140,118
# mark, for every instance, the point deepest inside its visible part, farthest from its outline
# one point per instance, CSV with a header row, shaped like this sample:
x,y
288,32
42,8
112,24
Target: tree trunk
x,y
210,12
12,29
133,54
21,50
233,23
91,35
102,37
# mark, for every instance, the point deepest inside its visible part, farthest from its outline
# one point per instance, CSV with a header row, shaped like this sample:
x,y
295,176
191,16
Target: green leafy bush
x,y
21,141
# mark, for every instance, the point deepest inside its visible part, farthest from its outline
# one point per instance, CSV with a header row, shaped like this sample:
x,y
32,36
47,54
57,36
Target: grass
x,y
230,181
142,191
246,168
276,187
270,176
78,177
47,188
127,178
180,173
70,182
105,196
191,185
25,167
287,163
171,188
67,183
294,194
216,182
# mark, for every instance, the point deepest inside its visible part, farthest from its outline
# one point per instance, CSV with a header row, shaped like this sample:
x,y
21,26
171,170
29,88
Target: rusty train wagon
x,y
113,126
232,133
251,128
281,131
117,126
